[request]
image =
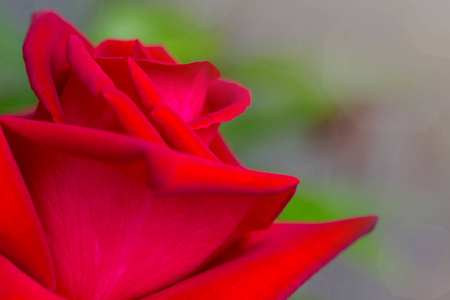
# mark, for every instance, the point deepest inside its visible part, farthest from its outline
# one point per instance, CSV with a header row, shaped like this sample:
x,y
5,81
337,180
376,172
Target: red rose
x,y
121,187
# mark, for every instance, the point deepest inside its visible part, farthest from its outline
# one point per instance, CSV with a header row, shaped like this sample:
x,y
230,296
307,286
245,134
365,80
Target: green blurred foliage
x,y
15,92
285,96
322,203
155,23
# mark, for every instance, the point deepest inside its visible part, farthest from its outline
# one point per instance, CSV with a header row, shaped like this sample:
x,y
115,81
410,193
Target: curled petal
x,y
225,101
183,87
85,68
44,53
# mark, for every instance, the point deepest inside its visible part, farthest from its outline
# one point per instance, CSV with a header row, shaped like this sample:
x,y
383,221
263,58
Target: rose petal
x,y
134,197
16,285
44,53
22,239
89,86
225,101
148,93
116,48
178,134
273,263
208,134
170,176
91,80
84,109
160,53
132,48
183,87
220,148
131,118
84,67
139,51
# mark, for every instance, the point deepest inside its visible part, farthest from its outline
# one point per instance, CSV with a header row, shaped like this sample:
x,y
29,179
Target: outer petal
x,y
272,264
22,239
16,285
170,176
44,53
149,206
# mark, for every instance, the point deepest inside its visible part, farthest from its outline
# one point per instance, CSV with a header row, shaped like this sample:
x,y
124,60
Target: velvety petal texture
x,y
270,264
114,213
44,52
17,285
121,186
20,227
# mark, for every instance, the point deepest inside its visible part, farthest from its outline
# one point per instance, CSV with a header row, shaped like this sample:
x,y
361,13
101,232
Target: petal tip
x,y
44,12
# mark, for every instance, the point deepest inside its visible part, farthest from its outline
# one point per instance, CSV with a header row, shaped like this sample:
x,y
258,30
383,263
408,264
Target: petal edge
x,y
273,263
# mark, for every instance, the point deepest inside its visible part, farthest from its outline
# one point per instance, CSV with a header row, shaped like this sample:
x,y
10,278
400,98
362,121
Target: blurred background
x,y
350,96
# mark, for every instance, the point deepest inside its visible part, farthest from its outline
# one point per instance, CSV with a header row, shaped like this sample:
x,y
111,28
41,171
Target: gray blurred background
x,y
350,96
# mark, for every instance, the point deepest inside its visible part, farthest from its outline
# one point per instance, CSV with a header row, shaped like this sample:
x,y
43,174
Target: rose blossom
x,y
121,187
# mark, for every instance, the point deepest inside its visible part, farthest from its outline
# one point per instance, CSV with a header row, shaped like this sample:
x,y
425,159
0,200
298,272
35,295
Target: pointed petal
x,y
273,263
16,285
22,238
44,53
131,207
145,88
139,51
159,53
117,48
